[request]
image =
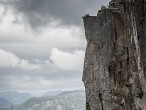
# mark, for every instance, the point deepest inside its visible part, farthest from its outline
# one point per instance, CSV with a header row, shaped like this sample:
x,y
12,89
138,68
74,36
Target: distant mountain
x,y
70,100
4,103
71,92
52,93
14,97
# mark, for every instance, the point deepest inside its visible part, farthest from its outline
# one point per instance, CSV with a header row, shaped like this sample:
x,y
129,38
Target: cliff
x,y
115,61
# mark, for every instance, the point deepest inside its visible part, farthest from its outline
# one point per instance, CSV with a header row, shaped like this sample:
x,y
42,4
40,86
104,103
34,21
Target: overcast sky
x,y
42,43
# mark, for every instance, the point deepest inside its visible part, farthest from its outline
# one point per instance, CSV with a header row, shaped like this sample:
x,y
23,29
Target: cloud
x,y
20,74
35,83
66,60
29,44
25,53
10,60
42,12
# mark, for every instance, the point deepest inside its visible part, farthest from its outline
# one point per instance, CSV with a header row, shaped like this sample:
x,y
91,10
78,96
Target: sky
x,y
42,43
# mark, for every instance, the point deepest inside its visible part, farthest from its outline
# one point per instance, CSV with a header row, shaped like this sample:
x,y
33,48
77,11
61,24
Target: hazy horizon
x,y
42,92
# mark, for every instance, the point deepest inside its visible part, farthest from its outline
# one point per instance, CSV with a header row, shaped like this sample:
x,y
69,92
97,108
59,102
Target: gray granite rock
x,y
115,61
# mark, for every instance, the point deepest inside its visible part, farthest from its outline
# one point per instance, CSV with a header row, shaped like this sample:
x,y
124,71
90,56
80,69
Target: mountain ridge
x,y
67,100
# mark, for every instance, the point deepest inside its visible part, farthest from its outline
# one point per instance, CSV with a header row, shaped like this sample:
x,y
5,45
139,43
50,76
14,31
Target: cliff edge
x,y
115,61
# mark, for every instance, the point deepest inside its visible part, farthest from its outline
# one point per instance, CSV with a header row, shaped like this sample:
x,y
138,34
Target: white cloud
x,y
66,60
27,83
24,50
22,40
10,60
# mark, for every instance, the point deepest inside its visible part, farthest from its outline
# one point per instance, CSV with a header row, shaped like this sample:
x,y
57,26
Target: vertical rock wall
x,y
113,70
140,16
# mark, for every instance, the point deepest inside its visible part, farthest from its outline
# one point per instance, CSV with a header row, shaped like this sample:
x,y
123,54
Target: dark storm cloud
x,y
42,12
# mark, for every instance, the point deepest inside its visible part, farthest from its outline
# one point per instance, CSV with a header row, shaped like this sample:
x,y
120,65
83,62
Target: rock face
x,y
115,61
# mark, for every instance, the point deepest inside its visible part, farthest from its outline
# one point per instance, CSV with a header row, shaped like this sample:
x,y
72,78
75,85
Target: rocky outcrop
x,y
115,59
